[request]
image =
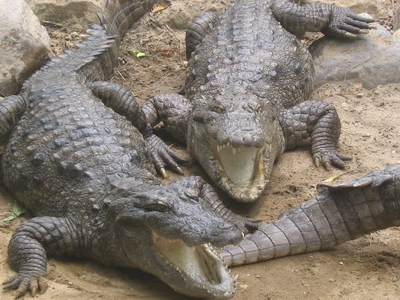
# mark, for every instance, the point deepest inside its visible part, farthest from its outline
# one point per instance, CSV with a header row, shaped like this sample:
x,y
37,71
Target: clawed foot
x,y
329,158
163,156
24,284
249,224
346,23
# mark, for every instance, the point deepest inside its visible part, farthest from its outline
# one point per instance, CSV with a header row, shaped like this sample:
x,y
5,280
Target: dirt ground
x,y
367,268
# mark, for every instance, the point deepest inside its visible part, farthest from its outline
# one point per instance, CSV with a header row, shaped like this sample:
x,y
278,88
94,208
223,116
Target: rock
x,y
396,19
178,15
372,59
396,34
79,13
24,45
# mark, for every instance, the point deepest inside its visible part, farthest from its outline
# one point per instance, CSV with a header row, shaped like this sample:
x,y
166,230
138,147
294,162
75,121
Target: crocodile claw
x,y
364,31
24,284
163,156
251,224
179,170
346,23
350,35
330,158
163,173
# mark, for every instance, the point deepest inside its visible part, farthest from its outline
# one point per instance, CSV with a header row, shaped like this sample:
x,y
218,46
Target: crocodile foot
x,y
25,283
346,23
163,156
329,158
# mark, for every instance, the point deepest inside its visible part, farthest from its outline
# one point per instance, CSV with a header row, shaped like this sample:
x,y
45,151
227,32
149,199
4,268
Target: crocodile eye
x,y
198,118
218,108
200,115
159,206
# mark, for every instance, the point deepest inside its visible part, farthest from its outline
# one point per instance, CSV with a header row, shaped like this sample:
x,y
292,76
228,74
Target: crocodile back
x,y
68,146
250,52
66,149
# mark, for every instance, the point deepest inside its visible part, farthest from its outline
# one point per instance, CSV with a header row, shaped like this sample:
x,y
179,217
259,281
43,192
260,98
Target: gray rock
x,y
179,15
396,34
80,13
24,45
396,19
373,59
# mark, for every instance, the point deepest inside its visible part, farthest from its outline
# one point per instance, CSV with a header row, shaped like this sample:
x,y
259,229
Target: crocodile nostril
x,y
251,139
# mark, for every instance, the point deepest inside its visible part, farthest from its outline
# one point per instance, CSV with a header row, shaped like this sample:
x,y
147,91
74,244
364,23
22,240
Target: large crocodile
x,y
82,158
339,213
247,89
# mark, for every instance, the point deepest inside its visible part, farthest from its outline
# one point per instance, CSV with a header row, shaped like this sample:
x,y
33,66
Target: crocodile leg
x,y
314,122
11,110
198,29
173,110
338,214
329,19
28,248
121,100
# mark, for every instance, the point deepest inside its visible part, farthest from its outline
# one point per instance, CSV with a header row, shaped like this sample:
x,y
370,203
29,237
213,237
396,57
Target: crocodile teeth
x,y
241,169
240,164
210,269
196,261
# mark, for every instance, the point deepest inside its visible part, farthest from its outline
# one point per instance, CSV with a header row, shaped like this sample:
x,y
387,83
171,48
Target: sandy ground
x,y
367,268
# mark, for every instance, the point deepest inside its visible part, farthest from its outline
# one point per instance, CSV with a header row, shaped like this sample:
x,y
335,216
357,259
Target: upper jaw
x,y
241,170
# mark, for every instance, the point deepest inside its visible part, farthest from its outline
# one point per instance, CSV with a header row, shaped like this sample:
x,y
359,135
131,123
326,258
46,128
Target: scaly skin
x,y
247,89
81,156
338,214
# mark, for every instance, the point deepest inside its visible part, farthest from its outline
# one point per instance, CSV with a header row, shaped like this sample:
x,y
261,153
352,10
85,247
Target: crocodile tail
x,y
338,214
96,56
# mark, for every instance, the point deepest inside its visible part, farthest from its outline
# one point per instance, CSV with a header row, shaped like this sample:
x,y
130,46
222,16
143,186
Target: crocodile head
x,y
171,232
236,144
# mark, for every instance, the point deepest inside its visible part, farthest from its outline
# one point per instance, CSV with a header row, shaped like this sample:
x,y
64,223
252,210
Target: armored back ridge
x,y
81,156
247,89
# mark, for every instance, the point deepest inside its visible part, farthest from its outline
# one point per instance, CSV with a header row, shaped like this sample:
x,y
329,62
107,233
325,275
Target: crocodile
x,y
339,213
248,85
82,158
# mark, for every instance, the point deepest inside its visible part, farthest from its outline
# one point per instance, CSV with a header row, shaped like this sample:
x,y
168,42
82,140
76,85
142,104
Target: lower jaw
x,y
242,193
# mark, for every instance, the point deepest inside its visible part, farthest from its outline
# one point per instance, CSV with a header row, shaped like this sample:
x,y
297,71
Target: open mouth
x,y
242,169
200,262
